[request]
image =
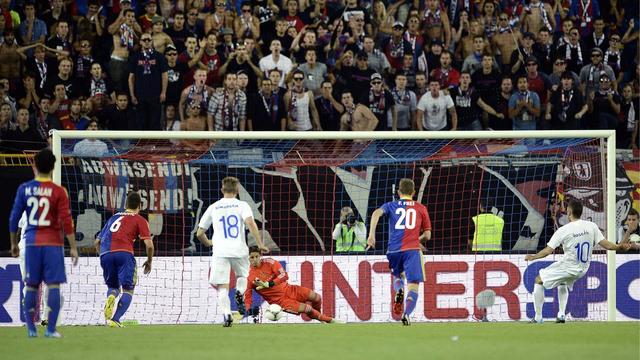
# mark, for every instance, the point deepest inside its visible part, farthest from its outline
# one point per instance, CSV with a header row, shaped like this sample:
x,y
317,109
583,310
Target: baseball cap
x,y
226,31
398,24
376,76
156,19
170,47
532,59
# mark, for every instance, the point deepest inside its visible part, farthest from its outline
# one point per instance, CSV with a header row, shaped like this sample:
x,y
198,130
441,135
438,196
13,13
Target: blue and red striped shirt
x,y
47,209
407,220
121,231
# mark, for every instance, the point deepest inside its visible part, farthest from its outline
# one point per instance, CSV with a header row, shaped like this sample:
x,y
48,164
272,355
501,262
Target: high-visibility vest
x,y
488,234
348,241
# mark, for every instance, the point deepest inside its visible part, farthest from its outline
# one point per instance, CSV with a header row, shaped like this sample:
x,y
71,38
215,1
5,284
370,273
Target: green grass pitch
x,y
508,340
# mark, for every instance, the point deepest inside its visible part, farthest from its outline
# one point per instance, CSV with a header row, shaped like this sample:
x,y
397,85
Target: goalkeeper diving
x,y
269,279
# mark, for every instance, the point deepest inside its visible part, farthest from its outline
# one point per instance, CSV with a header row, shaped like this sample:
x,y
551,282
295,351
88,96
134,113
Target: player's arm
x,y
19,205
375,217
426,227
278,276
145,235
615,247
202,236
541,254
67,225
205,223
253,228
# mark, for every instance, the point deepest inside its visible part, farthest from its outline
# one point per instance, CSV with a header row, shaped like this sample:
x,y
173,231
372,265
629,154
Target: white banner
x,y
353,288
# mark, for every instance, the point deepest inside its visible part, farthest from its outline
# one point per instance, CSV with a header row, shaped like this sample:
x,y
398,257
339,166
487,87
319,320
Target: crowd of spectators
x,y
299,65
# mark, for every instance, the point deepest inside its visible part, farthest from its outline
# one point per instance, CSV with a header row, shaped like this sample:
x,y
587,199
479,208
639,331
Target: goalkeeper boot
x,y
405,320
398,302
240,302
560,319
228,320
108,307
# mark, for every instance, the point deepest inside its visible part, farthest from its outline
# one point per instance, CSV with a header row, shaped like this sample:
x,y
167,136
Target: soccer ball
x,y
274,312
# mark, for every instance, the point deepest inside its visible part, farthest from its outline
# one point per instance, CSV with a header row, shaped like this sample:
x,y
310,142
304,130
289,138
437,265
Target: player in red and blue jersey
x,y
115,245
48,214
409,223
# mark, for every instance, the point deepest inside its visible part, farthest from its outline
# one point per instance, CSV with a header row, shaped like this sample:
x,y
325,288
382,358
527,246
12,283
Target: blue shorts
x,y
44,263
119,269
409,262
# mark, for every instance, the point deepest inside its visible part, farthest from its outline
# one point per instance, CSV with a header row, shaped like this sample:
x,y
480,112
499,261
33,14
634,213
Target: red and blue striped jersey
x,y
121,231
407,220
47,209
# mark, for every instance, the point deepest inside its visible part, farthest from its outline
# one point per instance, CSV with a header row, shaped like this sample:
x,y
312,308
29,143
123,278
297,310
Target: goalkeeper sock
x,y
224,304
53,302
30,307
410,303
563,297
317,303
123,305
398,284
315,314
538,299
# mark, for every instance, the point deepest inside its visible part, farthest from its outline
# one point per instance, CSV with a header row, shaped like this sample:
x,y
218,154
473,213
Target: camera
x,y
350,219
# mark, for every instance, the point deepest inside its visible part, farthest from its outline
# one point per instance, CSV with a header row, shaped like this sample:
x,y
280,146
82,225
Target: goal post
x,y
331,148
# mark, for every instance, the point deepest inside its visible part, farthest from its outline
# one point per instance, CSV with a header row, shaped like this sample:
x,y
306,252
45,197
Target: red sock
x,y
317,303
315,314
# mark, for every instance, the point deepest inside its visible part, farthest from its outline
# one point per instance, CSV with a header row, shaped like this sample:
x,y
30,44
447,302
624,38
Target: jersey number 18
x,y
230,226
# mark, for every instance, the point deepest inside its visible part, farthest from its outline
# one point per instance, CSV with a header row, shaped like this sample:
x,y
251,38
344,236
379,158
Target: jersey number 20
x,y
406,219
36,204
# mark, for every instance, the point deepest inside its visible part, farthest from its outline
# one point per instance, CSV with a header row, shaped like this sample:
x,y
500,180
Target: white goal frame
x,y
608,181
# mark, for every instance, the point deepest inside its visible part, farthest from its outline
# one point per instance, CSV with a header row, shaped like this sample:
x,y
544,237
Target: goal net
x,y
297,187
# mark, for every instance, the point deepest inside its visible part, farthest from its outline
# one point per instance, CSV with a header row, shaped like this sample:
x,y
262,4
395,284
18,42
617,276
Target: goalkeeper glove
x,y
263,284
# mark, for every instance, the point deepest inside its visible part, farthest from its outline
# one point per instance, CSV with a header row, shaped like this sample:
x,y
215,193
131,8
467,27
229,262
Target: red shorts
x,y
293,296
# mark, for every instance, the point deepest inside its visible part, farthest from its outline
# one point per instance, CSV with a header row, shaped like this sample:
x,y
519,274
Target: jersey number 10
x,y
406,219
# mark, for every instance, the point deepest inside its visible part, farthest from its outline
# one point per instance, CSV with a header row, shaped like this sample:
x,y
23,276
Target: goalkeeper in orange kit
x,y
269,279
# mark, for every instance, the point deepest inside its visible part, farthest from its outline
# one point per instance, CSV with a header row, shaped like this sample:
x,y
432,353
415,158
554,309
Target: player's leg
x,y
54,275
414,272
110,275
538,299
33,277
240,267
127,277
295,307
563,297
396,266
219,277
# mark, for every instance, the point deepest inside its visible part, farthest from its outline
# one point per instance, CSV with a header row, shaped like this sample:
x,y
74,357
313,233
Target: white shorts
x,y
22,264
219,272
557,274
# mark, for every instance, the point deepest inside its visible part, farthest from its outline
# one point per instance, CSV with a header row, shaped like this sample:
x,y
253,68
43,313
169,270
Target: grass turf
x,y
509,340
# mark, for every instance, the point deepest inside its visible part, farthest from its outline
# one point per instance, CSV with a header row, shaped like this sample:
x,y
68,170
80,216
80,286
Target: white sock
x,y
563,297
538,300
223,301
241,285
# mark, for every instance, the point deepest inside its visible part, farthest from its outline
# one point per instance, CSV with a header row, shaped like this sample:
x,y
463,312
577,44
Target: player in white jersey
x,y
228,217
43,290
577,238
